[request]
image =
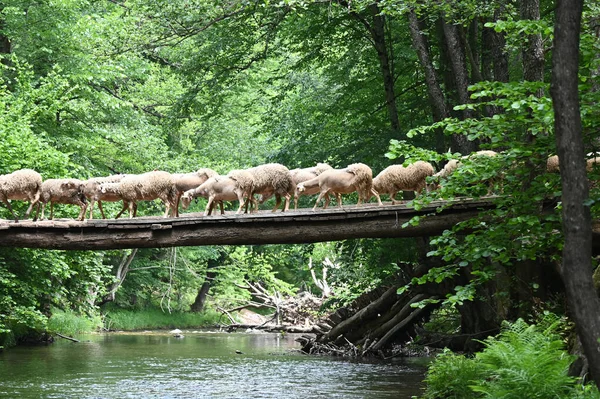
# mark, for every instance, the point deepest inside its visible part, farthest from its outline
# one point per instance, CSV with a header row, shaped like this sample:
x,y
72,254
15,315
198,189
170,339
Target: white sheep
x,y
397,178
23,184
305,174
356,177
188,181
454,164
552,164
63,191
272,179
218,189
145,187
93,192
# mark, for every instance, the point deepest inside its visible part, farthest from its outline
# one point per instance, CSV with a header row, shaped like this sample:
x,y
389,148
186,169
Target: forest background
x,y
92,88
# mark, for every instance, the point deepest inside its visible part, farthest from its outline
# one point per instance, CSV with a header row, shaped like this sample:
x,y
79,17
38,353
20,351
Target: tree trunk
x,y
584,304
5,47
436,95
460,77
533,52
120,275
378,35
200,300
499,54
437,100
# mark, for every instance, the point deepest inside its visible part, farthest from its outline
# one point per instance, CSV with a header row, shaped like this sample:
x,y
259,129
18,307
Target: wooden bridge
x,y
293,227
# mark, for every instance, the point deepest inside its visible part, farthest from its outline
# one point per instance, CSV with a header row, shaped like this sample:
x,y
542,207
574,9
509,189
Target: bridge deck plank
x,y
295,226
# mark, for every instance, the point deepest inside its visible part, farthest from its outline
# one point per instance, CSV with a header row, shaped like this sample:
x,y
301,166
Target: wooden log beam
x,y
294,227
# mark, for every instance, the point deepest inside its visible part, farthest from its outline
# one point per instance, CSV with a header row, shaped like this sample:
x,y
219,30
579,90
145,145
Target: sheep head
x,y
187,198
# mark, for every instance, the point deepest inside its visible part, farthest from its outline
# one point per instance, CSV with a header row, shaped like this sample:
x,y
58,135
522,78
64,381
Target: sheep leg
x,y
99,207
338,198
208,209
221,206
376,194
92,208
7,202
177,205
254,208
326,201
82,212
286,206
32,202
321,194
125,206
132,209
277,202
241,200
167,209
51,210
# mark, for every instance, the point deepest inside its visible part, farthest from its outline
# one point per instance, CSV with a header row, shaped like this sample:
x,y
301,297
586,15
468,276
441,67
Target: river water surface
x,y
200,365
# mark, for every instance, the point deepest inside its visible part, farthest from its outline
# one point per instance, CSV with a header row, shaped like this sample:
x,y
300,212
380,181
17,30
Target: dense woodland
x,y
93,88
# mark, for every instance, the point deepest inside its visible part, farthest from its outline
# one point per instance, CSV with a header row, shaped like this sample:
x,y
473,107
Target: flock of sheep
x,y
250,186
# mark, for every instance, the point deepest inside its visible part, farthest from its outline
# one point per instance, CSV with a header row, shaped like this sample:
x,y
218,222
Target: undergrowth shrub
x,y
70,324
451,376
148,319
523,361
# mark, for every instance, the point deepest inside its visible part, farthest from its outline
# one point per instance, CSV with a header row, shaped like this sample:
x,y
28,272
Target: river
x,y
200,365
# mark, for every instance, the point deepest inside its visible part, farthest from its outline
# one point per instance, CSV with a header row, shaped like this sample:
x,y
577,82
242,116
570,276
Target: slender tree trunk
x,y
200,300
576,270
436,95
533,69
533,52
378,35
437,100
120,275
376,29
456,54
5,47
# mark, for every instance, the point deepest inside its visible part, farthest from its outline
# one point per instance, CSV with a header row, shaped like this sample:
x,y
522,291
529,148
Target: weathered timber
x,y
294,227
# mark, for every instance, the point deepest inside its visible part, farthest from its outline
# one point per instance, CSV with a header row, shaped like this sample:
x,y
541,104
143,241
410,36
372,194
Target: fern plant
x,y
525,361
451,376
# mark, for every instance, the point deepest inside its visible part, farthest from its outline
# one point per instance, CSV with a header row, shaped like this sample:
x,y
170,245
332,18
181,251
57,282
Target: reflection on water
x,y
201,365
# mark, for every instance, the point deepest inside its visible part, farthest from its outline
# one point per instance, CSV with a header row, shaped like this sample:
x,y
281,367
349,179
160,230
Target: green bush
x,y
151,319
523,361
451,376
70,324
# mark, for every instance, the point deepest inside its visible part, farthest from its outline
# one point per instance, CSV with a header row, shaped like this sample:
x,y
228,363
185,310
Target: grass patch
x,y
155,319
70,324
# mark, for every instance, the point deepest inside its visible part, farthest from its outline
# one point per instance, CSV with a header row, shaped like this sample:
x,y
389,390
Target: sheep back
x,y
63,191
23,184
363,178
244,179
272,177
396,178
148,186
91,187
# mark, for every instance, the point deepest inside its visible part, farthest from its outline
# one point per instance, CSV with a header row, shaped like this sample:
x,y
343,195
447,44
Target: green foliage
x,y
451,376
523,361
70,324
153,318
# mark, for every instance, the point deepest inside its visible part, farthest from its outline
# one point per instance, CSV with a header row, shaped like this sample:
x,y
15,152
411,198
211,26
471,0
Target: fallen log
x,y
369,312
274,328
